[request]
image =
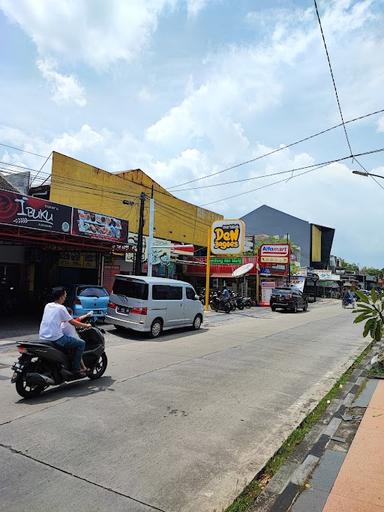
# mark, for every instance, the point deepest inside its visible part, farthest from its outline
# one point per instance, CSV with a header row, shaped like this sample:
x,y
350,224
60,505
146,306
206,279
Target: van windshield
x,y
132,288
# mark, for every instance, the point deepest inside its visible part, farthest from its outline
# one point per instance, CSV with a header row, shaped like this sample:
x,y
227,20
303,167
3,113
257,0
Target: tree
x,y
370,309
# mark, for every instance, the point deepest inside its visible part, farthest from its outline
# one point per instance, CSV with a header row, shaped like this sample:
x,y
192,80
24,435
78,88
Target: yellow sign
x,y
227,237
274,259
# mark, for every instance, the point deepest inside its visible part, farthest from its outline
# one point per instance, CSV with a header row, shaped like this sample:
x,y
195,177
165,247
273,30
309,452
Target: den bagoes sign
x,y
227,237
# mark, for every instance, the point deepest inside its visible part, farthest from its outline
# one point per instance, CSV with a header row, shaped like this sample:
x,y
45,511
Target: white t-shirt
x,y
69,330
51,325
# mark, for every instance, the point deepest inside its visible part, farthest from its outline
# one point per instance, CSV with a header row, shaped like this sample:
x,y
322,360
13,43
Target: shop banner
x,y
327,275
227,237
220,261
298,282
277,250
266,292
34,213
274,259
101,227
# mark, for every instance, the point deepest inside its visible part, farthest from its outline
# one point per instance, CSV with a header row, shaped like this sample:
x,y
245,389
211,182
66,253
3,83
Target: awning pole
x,y
208,271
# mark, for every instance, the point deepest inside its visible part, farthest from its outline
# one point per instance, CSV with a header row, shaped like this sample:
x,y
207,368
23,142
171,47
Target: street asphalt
x,y
180,424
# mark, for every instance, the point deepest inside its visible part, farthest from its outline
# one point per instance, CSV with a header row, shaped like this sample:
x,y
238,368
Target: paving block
x,y
311,500
332,427
282,477
326,473
365,397
301,475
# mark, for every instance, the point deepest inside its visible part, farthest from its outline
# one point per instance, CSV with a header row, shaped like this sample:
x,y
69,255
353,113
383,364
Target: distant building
x,y
315,241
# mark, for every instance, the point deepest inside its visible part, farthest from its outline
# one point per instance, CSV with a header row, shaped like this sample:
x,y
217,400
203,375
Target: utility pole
x,y
150,237
139,252
289,261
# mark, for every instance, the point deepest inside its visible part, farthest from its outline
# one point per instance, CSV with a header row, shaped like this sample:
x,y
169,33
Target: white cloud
x,y
195,6
95,33
65,88
380,124
145,95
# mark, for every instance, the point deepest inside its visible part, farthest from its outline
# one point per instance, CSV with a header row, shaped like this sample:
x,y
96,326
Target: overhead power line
x,y
243,180
337,94
315,167
22,150
287,146
264,186
332,77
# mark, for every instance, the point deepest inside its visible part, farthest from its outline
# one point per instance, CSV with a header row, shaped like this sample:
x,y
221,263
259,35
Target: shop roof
x,y
5,185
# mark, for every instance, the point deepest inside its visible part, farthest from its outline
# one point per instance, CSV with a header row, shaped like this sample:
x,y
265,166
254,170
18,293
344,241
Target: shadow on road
x,y
71,389
128,335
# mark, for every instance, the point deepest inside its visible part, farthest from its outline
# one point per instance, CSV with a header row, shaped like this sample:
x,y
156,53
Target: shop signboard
x,y
274,250
220,261
274,259
34,213
99,226
227,238
327,275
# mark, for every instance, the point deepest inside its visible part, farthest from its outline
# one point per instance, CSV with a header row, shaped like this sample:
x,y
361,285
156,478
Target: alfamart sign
x,y
227,237
274,253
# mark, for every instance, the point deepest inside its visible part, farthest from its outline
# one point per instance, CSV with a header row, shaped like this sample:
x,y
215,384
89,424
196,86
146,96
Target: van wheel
x,y
156,328
197,322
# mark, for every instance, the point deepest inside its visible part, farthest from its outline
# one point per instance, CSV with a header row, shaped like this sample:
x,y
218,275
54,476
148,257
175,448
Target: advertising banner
x,y
227,237
298,282
96,225
274,250
274,259
266,292
34,213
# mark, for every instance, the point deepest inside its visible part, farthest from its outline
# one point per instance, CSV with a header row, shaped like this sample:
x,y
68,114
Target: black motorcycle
x,y
239,301
43,364
218,304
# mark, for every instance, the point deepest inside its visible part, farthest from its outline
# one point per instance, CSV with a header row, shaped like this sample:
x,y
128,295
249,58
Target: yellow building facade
x,y
84,186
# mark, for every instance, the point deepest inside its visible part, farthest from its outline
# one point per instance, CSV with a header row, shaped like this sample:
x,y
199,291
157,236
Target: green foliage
x,y
370,309
349,267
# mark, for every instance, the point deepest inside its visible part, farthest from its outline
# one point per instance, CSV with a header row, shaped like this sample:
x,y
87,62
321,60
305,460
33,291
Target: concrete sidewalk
x,y
359,484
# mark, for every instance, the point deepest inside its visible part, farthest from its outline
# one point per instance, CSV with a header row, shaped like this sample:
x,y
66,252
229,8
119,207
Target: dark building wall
x,y
268,221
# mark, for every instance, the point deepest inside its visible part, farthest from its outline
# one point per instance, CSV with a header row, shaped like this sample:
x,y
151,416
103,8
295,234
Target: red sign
x,y
34,213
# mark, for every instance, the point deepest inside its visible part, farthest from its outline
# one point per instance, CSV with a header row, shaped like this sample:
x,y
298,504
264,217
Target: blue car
x,y
83,298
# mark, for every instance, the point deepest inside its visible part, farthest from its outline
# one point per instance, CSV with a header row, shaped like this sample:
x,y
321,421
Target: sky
x,y
186,88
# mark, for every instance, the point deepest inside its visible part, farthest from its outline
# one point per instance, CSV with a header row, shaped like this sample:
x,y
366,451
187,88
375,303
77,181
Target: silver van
x,y
153,304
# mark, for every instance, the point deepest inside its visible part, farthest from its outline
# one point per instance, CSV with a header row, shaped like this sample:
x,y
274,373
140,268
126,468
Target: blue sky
x,y
185,88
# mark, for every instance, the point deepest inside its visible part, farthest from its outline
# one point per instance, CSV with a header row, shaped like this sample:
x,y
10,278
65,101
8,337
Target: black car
x,y
288,298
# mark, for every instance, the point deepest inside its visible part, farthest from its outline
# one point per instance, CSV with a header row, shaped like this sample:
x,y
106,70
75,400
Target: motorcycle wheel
x,y
99,367
241,307
27,391
227,308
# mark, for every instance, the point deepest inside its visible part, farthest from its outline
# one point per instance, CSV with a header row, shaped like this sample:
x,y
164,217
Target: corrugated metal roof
x,y
5,185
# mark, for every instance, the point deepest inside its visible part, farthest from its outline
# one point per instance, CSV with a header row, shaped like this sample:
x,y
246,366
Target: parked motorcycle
x,y
239,301
218,304
248,302
42,364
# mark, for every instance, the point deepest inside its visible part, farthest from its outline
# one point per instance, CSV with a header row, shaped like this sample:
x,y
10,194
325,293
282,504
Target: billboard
x,y
34,213
227,237
99,226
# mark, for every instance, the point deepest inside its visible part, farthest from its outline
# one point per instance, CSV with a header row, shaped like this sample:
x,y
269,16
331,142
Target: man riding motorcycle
x,y
51,328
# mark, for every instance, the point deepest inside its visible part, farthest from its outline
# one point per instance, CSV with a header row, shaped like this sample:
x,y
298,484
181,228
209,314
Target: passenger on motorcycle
x,y
225,295
51,328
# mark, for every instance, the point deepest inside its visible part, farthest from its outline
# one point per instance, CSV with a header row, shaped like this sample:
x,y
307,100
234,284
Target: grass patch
x,y
254,488
376,372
